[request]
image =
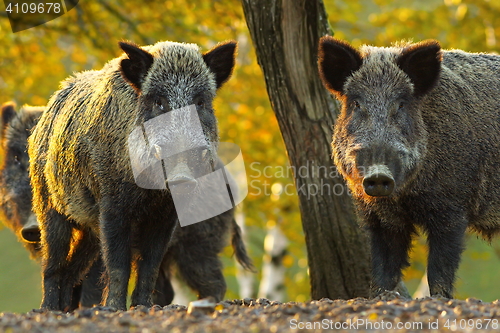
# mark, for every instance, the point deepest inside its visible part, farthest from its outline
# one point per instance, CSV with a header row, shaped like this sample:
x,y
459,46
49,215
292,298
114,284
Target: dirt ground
x,y
387,313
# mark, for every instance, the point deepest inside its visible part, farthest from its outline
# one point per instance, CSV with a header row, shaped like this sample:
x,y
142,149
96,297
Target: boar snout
x,y
182,179
31,231
31,235
187,183
378,181
378,185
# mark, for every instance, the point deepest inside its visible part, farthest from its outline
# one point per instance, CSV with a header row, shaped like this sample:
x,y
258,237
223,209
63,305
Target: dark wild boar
x,y
15,208
15,189
418,142
84,193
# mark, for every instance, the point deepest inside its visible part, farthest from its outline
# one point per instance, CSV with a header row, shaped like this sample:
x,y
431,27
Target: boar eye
x,y
401,105
200,103
159,104
356,104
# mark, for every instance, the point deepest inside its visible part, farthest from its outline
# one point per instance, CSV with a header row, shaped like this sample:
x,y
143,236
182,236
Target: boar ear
x,y
422,63
135,68
220,60
8,113
337,60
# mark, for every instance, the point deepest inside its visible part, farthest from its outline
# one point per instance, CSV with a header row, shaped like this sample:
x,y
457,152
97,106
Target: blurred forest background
x,y
33,62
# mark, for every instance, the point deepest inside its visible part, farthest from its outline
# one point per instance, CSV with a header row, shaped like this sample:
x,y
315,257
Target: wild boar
x,y
417,142
84,192
15,189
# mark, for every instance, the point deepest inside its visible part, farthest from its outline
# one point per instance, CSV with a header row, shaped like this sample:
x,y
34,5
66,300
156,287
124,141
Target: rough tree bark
x,y
285,34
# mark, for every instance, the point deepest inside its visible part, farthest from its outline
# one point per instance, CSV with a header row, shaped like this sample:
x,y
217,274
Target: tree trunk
x,y
285,34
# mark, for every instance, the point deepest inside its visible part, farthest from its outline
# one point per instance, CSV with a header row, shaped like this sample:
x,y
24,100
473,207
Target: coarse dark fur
x,y
427,121
84,193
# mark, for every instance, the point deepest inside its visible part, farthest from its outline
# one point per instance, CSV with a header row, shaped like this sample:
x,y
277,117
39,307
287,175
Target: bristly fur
x,y
430,118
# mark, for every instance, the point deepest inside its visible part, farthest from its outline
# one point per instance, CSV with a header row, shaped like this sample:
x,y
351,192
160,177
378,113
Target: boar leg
x,y
116,252
75,297
164,292
84,254
201,268
56,239
445,248
92,286
153,243
389,247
